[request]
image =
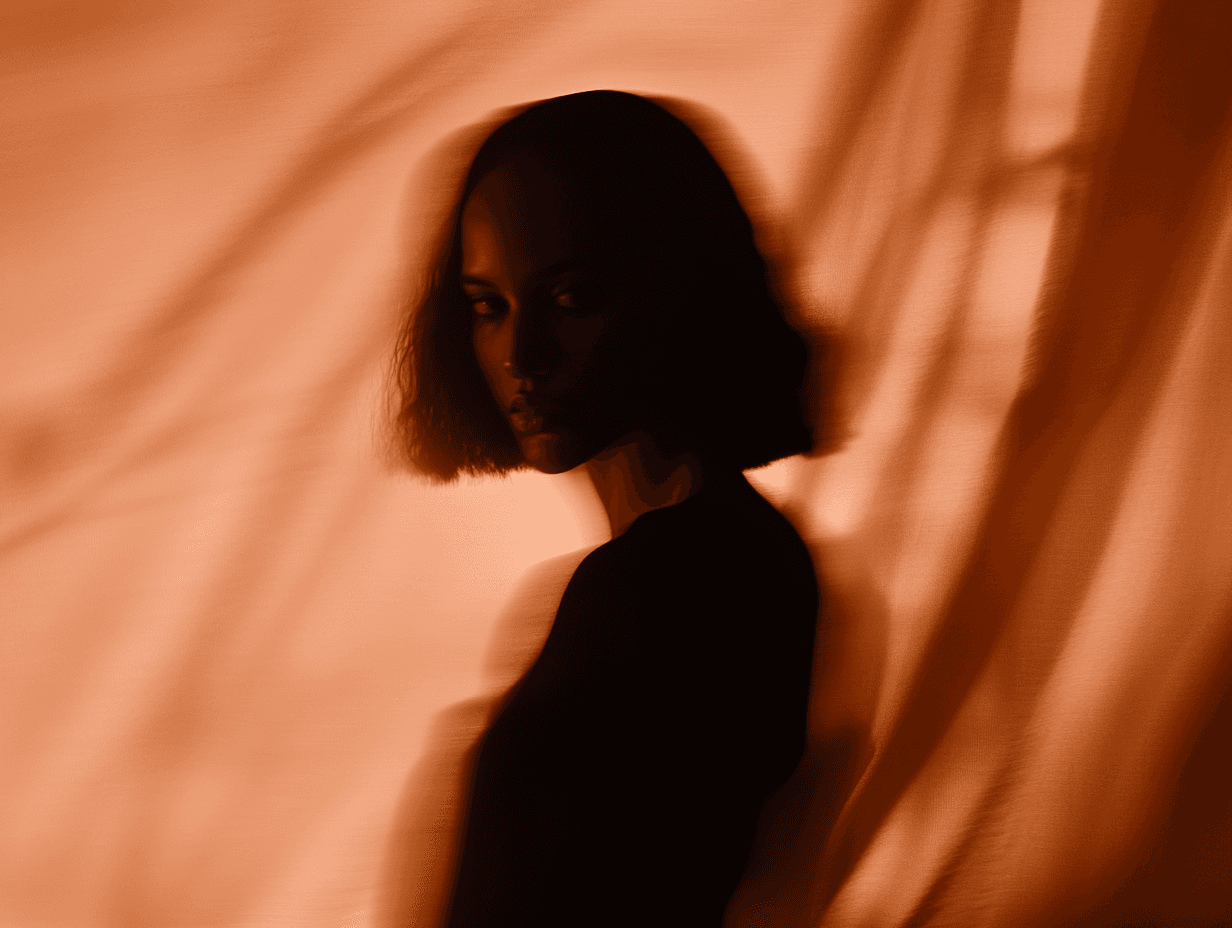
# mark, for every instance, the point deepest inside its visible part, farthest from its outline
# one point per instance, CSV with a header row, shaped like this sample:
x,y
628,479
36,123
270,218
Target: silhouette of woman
x,y
599,301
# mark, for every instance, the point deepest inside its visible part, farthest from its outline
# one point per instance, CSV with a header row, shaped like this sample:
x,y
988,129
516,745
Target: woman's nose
x,y
527,375
530,349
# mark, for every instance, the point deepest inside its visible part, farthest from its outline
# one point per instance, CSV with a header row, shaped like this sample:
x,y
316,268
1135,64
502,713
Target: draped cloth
x,y
245,658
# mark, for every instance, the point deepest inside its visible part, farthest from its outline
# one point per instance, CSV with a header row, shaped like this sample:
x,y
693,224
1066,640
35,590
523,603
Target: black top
x,y
622,781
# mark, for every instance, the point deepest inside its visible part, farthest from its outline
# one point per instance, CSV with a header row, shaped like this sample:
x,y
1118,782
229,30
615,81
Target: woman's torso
x,y
623,778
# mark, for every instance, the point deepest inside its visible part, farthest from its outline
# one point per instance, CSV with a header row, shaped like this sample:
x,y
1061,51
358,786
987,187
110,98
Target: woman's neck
x,y
633,477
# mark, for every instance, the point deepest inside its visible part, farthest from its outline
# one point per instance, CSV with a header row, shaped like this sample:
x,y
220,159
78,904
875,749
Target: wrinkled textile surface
x,y
245,661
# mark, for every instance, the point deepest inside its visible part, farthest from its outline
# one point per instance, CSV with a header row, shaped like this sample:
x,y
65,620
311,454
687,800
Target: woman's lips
x,y
525,417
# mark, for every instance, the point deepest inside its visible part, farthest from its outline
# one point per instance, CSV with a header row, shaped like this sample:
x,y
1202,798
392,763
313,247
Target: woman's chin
x,y
548,453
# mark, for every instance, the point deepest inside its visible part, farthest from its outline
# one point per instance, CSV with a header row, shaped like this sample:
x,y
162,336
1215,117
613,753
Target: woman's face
x,y
555,356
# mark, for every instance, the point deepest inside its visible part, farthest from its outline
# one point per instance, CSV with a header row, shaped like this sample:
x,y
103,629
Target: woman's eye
x,y
575,299
486,304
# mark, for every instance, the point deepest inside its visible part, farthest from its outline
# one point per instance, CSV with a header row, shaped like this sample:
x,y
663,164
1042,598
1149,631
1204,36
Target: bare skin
x,y
632,478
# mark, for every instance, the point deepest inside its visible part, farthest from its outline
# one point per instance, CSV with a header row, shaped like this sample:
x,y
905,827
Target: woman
x,y
600,302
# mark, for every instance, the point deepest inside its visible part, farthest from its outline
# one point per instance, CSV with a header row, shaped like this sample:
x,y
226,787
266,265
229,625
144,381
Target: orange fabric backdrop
x,y
244,659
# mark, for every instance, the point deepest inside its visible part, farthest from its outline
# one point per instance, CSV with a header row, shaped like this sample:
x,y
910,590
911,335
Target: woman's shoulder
x,y
715,595
725,541
727,521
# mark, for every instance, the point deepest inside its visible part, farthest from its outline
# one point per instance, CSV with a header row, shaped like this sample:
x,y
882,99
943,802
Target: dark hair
x,y
724,371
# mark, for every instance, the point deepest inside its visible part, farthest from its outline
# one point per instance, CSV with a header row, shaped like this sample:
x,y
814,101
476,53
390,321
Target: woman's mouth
x,y
526,418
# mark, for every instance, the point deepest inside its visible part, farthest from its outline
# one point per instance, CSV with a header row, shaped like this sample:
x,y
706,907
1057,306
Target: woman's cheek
x,y
581,338
487,344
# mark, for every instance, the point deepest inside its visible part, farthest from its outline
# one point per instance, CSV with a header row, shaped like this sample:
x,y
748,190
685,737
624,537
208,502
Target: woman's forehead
x,y
545,211
517,222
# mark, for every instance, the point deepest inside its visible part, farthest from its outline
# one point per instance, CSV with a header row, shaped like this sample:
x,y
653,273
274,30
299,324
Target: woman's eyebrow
x,y
559,267
564,264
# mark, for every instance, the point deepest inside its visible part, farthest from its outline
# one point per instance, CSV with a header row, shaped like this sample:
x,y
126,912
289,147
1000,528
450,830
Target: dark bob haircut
x,y
720,367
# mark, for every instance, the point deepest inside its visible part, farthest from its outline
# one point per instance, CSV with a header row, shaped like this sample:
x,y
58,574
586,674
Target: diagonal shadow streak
x,y
1159,345
380,113
986,83
804,814
1106,321
868,65
988,58
970,149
